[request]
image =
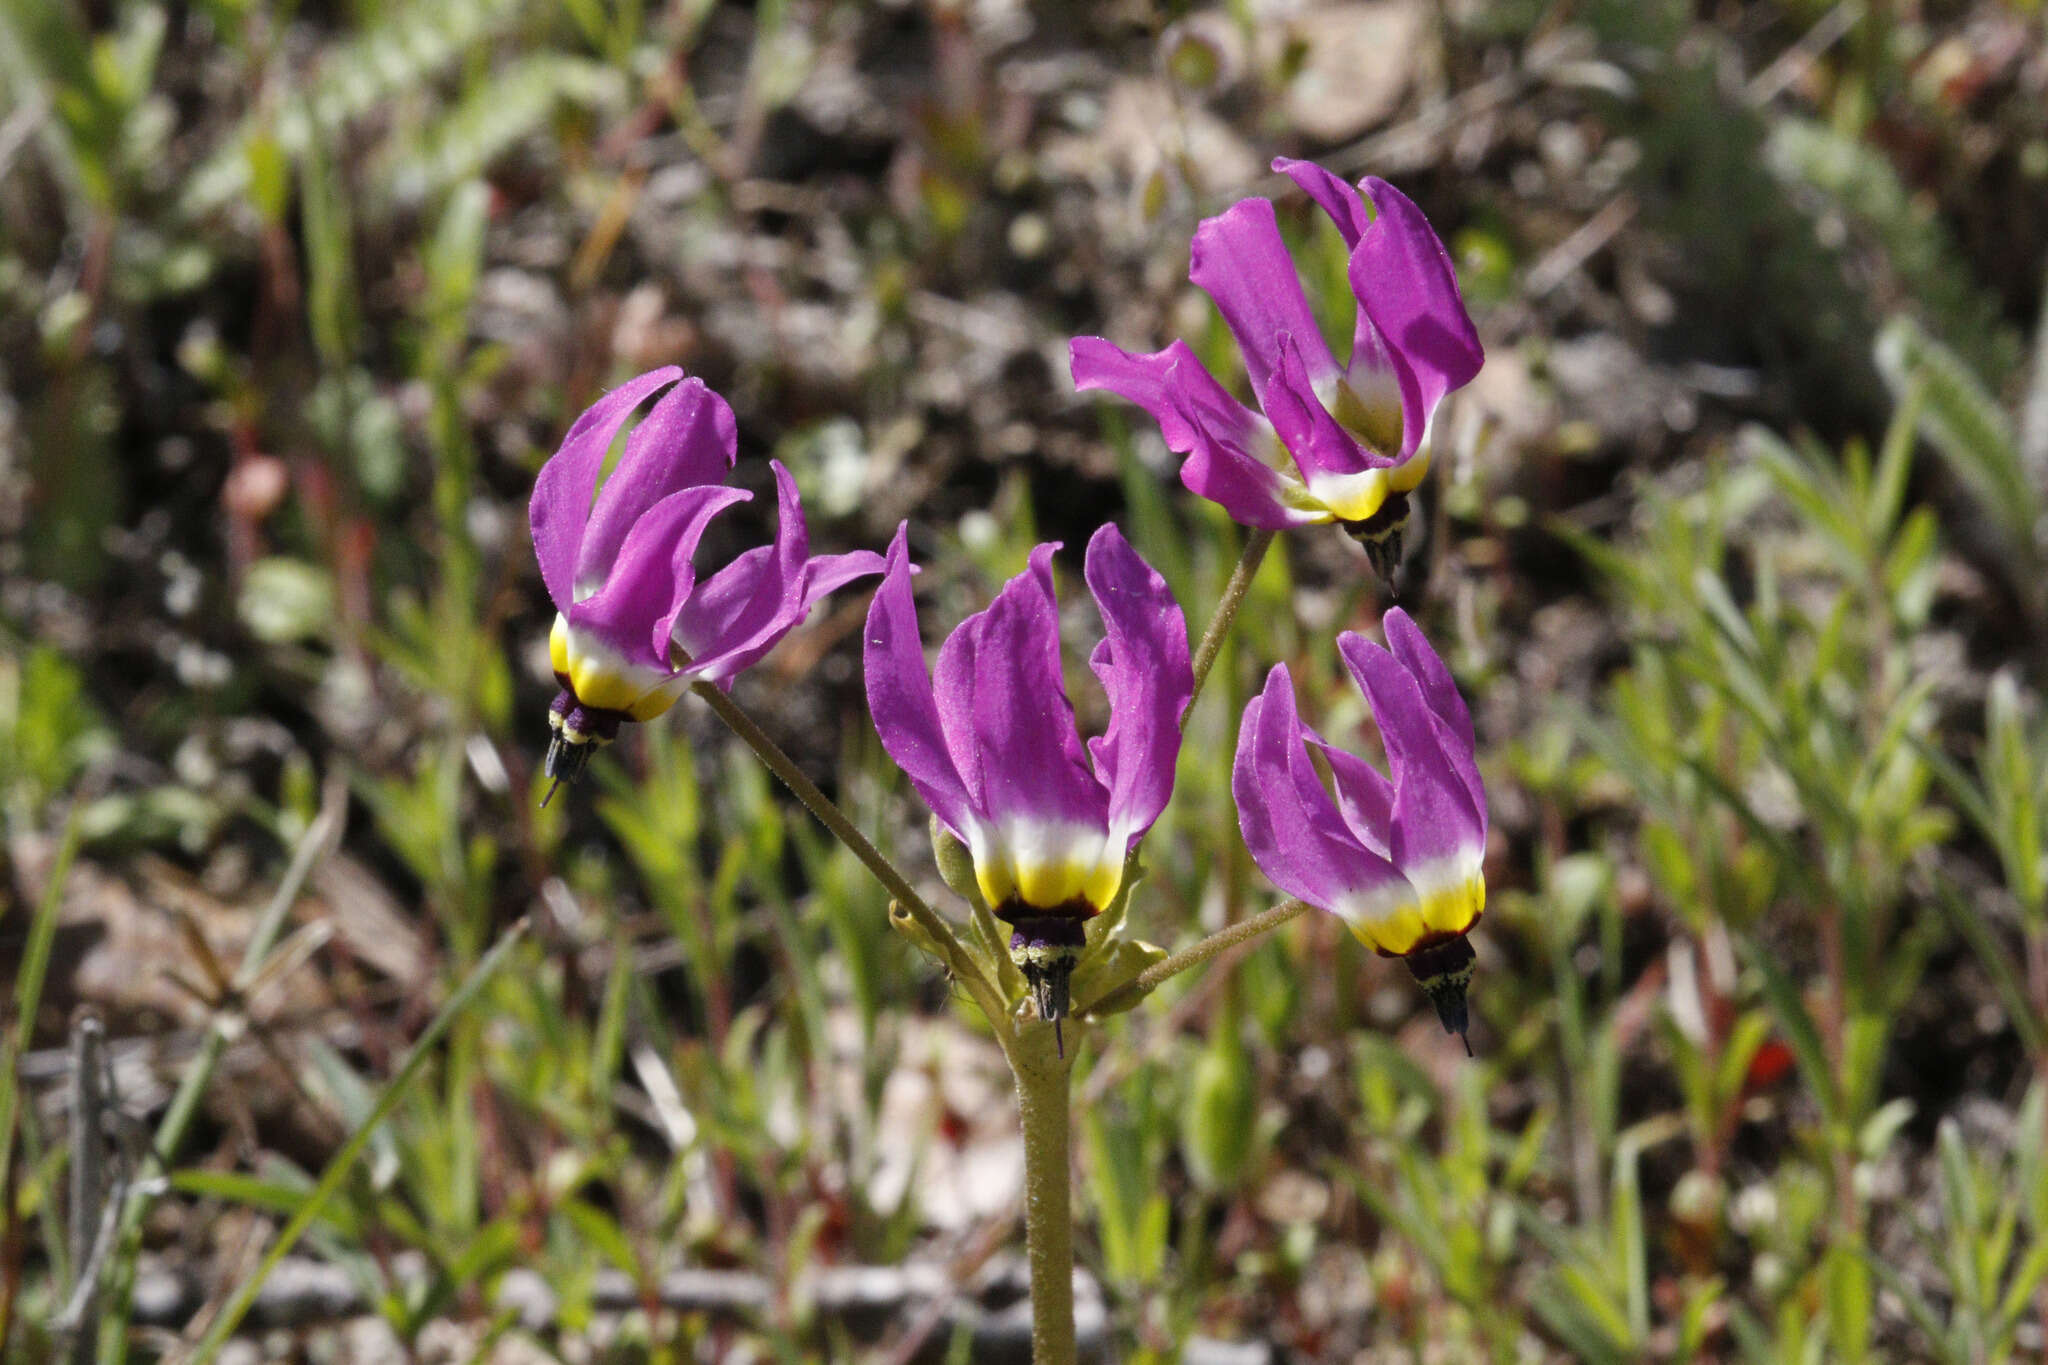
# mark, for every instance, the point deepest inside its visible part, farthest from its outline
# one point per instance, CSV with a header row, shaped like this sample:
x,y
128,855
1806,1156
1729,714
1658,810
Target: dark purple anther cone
x,y
1444,970
1045,948
579,732
1381,535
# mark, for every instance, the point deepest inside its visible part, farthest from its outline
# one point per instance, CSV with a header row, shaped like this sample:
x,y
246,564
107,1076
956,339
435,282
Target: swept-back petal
x,y
1319,442
1435,816
1403,279
1144,666
687,440
738,614
759,598
1440,691
1002,698
1364,796
1223,463
900,696
1332,194
1291,826
1147,380
1239,258
827,574
706,624
652,575
560,508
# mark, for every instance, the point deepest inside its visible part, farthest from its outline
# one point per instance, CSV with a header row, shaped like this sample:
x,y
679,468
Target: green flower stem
x,y
1196,954
950,950
1043,1088
1218,629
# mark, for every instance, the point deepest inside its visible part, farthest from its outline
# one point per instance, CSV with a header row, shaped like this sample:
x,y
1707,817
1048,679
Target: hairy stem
x,y
1255,546
956,957
1043,1084
1196,954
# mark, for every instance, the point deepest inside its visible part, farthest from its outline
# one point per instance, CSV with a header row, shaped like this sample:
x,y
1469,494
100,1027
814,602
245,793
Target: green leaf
x,y
285,601
330,258
1963,422
603,1233
1221,1112
1106,970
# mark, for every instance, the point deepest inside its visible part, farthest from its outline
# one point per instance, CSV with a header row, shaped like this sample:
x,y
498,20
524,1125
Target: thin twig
x,y
1795,61
1581,246
89,1203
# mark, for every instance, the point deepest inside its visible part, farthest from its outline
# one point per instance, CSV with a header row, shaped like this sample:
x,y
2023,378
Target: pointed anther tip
x,y
554,785
1059,1038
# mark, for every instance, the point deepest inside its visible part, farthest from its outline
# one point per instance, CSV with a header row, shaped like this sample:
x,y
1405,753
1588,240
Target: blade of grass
x,y
28,986
231,1315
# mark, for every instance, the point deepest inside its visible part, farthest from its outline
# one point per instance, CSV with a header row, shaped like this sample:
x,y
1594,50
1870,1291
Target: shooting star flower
x,y
1328,442
990,743
634,625
1400,860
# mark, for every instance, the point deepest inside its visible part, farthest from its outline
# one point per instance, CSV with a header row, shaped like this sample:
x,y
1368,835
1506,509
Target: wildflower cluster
x,y
1051,823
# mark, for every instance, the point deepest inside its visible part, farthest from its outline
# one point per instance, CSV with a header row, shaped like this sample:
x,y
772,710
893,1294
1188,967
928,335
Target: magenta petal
x,y
1146,380
1144,667
827,574
1002,699
705,625
652,575
1440,693
1289,823
1200,419
560,508
1221,466
1240,260
900,695
1434,814
1364,796
688,439
1334,195
769,594
1403,278
1319,443
1254,494
739,613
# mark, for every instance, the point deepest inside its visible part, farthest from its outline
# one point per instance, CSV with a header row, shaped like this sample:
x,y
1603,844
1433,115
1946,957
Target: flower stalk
x,y
1234,591
1195,954
955,956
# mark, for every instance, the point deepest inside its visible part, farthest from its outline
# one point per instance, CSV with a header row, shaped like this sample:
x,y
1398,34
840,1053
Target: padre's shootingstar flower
x,y
989,741
1399,861
634,626
1329,442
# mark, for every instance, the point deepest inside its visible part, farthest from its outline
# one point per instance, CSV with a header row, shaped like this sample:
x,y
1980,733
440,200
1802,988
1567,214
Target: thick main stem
x,y
1043,1084
958,960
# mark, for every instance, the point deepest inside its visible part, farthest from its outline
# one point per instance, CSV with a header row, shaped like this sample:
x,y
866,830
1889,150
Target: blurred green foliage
x,y
1752,869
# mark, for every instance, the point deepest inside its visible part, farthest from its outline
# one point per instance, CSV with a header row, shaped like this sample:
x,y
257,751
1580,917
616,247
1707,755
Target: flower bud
x,y
1216,1125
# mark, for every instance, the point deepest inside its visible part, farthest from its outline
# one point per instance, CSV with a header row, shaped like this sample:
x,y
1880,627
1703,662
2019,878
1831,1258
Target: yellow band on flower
x,y
604,681
1450,908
